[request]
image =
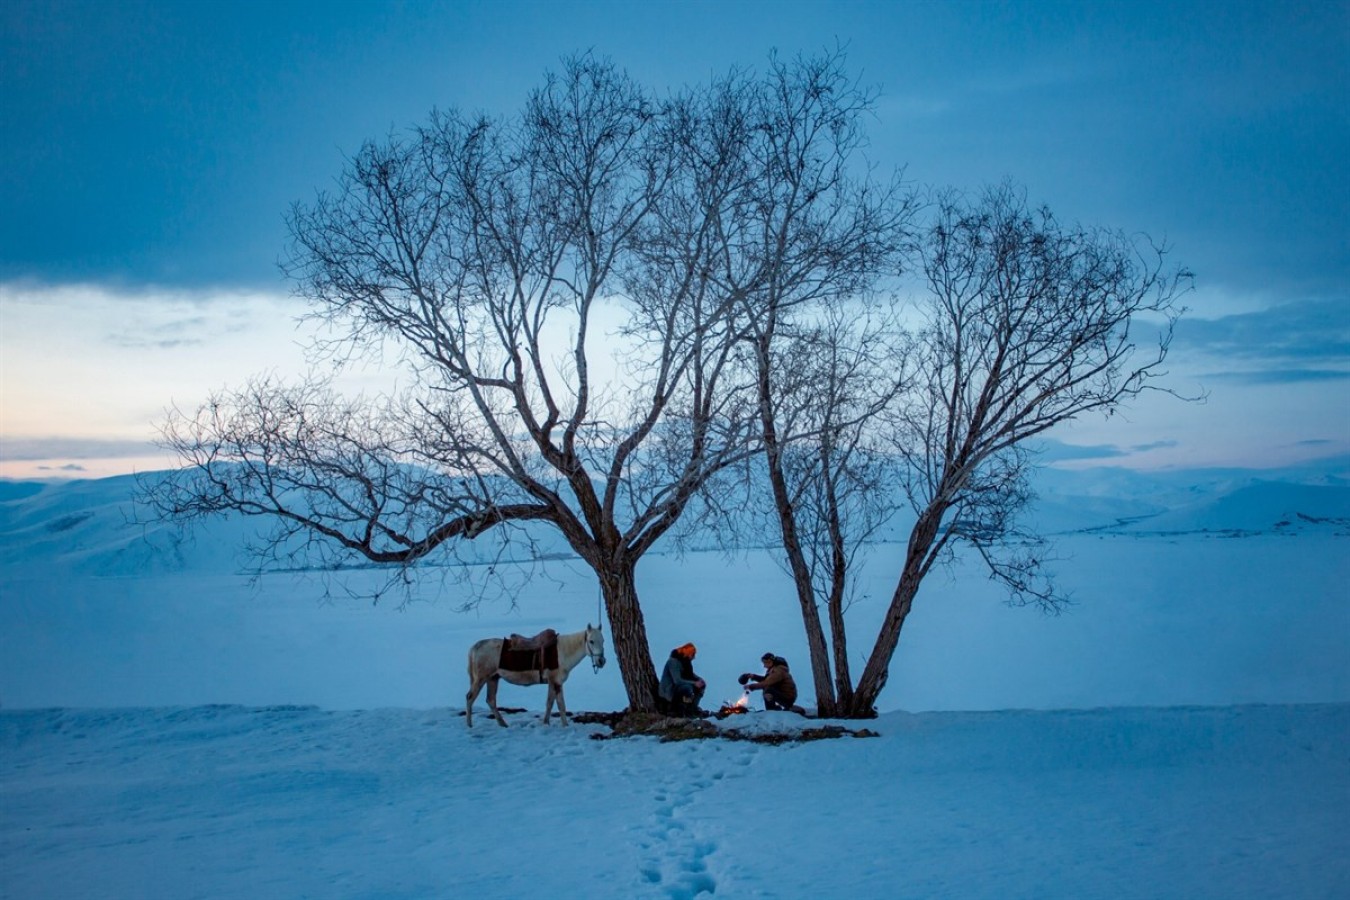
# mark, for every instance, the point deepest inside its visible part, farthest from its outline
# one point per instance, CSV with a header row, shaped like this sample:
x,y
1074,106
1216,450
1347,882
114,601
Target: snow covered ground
x,y
228,801
169,730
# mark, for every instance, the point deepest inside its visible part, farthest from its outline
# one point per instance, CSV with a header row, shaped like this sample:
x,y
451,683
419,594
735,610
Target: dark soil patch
x,y
501,709
666,728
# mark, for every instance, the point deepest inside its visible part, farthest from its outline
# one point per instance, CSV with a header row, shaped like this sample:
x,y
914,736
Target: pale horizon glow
x,y
87,377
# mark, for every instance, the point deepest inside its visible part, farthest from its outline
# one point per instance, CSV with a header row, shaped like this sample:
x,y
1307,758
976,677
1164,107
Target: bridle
x,y
595,665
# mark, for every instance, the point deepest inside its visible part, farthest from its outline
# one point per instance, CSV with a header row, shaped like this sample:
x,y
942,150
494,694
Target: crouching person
x,y
780,690
681,689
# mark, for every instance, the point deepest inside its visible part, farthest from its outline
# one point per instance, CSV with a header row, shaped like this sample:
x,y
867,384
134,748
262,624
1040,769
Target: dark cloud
x,y
1237,108
1057,451
1310,330
1278,376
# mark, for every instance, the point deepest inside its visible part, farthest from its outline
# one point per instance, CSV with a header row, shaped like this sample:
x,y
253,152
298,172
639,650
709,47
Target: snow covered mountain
x,y
1229,588
95,528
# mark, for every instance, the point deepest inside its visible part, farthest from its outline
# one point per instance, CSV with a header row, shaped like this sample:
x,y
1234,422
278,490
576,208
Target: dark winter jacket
x,y
679,671
779,680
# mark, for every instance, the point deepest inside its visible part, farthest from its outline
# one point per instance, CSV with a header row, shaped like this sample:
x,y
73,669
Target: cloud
x,y
1058,451
1051,451
1307,330
52,448
1301,342
190,331
68,467
1278,376
1155,445
150,318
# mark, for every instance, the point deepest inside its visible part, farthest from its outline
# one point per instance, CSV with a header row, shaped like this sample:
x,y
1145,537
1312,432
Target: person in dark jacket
x,y
680,687
780,691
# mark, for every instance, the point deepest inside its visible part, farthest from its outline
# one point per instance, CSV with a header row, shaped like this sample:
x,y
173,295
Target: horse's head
x,y
595,645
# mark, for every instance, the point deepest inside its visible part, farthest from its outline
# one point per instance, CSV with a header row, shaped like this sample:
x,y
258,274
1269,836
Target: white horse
x,y
485,657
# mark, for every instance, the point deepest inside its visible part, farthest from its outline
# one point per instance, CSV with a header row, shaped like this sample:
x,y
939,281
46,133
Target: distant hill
x,y
1261,508
95,526
1225,501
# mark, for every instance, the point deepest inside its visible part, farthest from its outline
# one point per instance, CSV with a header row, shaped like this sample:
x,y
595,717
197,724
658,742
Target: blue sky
x,y
148,152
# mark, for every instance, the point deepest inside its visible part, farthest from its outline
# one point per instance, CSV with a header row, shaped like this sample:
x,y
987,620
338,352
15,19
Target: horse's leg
x,y
475,685
493,680
548,704
562,707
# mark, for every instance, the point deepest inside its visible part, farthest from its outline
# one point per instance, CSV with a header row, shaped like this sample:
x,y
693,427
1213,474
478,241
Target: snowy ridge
x,y
96,528
1227,502
1261,508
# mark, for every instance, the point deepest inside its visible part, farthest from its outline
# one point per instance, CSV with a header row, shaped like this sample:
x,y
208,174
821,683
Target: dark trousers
x,y
685,701
774,701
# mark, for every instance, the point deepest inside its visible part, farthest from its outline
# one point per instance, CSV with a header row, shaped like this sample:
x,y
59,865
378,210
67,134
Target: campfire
x,y
736,708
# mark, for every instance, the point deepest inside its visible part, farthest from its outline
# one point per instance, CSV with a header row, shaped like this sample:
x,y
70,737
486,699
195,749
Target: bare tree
x,y
834,482
1028,323
480,251
817,235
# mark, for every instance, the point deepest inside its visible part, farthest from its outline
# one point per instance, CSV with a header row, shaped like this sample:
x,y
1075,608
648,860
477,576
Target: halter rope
x,y
585,639
599,617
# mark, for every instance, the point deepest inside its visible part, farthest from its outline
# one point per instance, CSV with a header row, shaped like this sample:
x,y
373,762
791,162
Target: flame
x,y
739,706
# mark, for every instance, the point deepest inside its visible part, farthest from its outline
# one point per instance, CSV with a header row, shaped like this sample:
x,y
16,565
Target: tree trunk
x,y
787,521
917,561
843,679
806,598
628,635
862,704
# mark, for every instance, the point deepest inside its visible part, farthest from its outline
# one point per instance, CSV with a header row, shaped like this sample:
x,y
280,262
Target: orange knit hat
x,y
687,650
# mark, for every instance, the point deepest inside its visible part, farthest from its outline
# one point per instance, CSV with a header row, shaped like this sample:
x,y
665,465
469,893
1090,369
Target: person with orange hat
x,y
680,688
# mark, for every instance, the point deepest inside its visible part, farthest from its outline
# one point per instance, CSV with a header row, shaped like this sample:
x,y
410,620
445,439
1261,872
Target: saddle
x,y
546,638
530,654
